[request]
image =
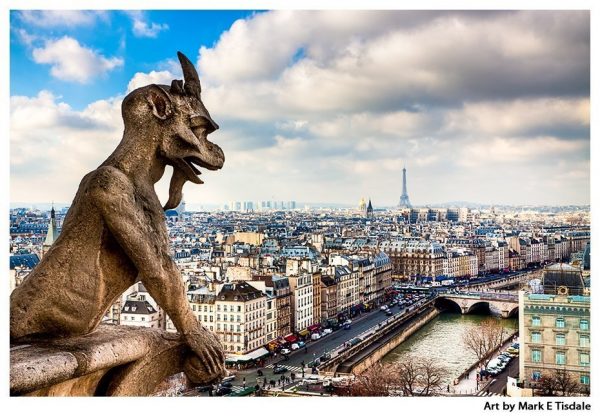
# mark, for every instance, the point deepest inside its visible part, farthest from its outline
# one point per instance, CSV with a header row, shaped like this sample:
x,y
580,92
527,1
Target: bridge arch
x,y
445,304
513,312
481,306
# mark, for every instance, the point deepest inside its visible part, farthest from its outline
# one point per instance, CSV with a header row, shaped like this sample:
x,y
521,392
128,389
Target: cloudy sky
x,y
319,106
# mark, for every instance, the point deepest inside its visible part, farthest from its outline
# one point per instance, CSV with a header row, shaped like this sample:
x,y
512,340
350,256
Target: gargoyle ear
x,y
160,103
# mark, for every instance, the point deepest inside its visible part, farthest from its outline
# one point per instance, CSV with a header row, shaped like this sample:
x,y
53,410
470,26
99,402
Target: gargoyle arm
x,y
113,194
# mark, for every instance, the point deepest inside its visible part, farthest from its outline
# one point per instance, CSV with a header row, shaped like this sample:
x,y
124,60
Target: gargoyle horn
x,y
192,81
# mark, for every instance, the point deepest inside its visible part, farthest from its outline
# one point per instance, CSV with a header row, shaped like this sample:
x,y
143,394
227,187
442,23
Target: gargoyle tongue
x,y
175,189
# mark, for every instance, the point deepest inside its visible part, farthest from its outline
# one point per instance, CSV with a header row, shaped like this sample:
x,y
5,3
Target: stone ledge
x,y
113,360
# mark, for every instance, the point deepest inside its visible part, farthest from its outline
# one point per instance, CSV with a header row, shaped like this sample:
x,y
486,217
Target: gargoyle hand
x,y
207,364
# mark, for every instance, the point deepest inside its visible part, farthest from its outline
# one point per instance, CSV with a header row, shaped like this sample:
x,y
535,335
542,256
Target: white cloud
x,y
141,79
53,146
341,101
144,29
73,62
60,18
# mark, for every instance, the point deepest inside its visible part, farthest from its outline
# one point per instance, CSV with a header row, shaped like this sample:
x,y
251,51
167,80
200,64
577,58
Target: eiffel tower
x,y
404,201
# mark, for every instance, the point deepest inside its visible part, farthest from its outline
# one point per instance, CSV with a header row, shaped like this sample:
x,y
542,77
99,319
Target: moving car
x,y
230,377
226,384
279,369
285,351
389,313
384,308
325,357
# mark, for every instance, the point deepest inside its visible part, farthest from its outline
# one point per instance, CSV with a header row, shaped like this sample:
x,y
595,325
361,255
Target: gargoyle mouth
x,y
194,161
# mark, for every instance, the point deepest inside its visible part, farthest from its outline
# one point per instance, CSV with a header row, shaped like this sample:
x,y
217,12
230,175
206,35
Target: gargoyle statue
x,y
115,234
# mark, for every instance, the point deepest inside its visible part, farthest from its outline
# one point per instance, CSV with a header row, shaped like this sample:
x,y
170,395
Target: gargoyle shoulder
x,y
108,182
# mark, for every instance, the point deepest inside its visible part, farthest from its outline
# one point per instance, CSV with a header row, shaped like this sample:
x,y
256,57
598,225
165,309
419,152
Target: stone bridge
x,y
507,303
514,281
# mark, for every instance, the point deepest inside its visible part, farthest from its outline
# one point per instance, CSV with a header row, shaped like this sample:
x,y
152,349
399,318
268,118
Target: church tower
x,y
369,212
51,234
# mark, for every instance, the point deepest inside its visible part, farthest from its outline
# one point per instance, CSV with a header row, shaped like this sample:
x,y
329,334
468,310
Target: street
x,y
314,349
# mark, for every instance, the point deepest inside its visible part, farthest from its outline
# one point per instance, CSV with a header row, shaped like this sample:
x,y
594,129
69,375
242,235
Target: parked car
x,y
285,351
279,369
295,346
230,377
301,344
204,388
226,384
222,391
505,357
315,336
325,357
327,331
384,308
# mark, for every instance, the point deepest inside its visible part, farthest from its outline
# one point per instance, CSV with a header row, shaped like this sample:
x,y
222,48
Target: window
x,y
584,359
536,337
560,358
143,318
536,356
239,308
536,375
204,308
584,340
584,324
536,321
560,339
560,322
584,379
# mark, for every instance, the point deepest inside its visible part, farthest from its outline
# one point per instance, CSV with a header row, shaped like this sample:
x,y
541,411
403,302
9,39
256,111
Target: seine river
x,y
441,339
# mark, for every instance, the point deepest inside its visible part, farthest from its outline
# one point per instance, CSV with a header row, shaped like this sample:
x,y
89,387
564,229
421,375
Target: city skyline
x,y
329,117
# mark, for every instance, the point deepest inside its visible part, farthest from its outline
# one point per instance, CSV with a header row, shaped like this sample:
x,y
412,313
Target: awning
x,y
254,355
314,327
303,333
291,338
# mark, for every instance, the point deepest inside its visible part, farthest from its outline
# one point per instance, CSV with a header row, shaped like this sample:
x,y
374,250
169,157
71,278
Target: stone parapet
x,y
111,361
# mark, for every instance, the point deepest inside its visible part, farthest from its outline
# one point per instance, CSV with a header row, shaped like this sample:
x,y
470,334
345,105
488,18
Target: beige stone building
x,y
301,305
415,258
240,317
316,291
554,327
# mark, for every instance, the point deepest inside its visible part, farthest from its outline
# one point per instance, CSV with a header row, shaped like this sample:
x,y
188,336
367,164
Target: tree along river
x,y
441,339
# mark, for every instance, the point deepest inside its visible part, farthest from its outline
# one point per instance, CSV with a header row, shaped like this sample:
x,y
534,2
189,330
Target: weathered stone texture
x,y
115,235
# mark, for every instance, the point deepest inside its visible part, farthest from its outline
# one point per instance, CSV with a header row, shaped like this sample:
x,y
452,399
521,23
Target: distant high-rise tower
x,y
52,233
404,201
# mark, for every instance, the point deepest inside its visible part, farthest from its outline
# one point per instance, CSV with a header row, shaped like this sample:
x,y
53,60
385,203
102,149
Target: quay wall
x,y
370,354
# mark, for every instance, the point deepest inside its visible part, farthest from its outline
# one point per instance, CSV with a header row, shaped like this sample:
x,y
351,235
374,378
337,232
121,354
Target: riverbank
x,y
441,340
467,383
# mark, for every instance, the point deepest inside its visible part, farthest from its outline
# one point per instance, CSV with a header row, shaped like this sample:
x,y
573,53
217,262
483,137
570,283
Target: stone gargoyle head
x,y
183,124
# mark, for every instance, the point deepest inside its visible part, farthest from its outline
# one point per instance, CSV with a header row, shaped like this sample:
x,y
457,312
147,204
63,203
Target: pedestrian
x,y
279,382
448,388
